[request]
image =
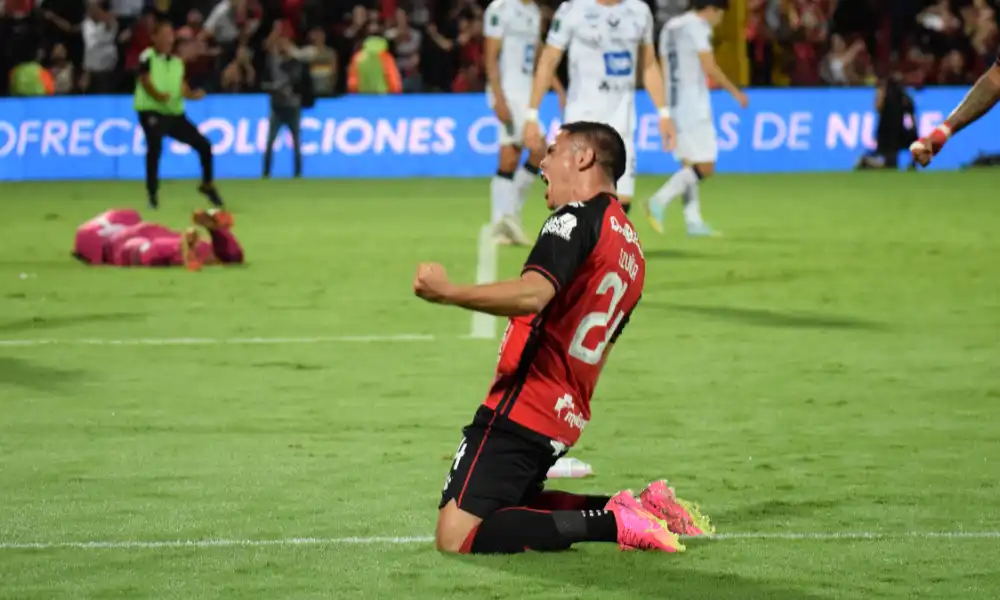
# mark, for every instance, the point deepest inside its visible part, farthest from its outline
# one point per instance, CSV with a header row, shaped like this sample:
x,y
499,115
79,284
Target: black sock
x,y
558,500
516,530
211,193
533,169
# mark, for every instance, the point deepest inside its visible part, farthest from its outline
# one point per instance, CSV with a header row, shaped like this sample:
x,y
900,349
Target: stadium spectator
x,y
136,39
840,65
199,56
285,73
62,71
100,50
239,75
953,70
469,79
29,78
437,46
406,45
373,70
322,63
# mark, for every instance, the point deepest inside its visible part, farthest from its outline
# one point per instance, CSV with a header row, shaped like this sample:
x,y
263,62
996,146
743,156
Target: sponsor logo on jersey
x,y
566,410
626,232
618,64
560,225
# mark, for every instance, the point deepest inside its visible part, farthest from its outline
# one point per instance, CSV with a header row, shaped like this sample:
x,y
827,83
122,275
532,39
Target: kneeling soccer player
x,y
121,238
580,284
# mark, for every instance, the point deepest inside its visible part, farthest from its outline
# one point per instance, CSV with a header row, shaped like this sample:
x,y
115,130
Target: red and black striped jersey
x,y
550,362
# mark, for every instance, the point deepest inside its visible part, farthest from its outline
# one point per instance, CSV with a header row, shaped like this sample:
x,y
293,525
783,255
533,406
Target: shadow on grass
x,y
676,254
17,372
768,318
646,575
727,281
45,323
756,516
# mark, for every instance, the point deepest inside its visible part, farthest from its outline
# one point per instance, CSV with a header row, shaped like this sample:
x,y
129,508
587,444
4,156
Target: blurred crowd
x,y
852,42
93,46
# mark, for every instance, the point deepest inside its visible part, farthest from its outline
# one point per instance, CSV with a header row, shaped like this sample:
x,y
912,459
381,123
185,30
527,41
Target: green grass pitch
x,y
829,367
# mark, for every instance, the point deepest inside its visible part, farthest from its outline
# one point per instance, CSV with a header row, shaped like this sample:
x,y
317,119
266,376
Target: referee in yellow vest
x,y
159,99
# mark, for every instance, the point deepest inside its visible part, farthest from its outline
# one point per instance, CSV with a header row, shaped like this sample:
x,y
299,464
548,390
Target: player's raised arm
x,y
983,96
562,247
526,295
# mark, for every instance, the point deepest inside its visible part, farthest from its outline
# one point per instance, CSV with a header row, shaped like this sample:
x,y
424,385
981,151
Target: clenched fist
x,y
431,282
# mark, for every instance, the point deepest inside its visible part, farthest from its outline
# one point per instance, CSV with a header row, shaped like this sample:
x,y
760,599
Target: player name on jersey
x,y
591,254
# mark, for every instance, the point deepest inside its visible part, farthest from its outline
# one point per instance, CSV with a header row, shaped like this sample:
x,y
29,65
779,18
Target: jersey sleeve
x,y
144,59
621,326
562,247
647,27
562,26
703,38
493,21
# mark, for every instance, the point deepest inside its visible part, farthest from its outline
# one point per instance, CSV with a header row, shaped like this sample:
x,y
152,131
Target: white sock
x,y
678,183
692,205
523,180
502,197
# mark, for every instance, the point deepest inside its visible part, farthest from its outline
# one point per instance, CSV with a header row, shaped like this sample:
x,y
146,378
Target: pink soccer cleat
x,y
682,517
638,529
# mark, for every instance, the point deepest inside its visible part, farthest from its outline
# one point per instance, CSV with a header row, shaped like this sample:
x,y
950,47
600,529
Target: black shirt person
x,y
286,71
159,99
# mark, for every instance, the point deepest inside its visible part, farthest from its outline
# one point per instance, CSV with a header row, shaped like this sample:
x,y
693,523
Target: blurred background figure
x,y
323,69
373,70
896,124
284,79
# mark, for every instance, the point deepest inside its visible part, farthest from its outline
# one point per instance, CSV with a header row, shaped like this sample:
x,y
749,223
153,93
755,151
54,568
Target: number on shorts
x,y
592,356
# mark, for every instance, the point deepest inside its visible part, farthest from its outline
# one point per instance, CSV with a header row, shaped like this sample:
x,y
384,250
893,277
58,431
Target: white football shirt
x,y
683,38
517,25
602,43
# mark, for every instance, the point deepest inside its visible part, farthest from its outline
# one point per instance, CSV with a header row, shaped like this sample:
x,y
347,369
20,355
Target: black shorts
x,y
496,466
156,126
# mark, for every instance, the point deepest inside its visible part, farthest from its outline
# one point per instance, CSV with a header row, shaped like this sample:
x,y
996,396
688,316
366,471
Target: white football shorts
x,y
696,142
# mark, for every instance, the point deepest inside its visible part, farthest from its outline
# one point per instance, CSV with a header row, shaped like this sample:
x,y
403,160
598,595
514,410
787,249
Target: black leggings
x,y
156,127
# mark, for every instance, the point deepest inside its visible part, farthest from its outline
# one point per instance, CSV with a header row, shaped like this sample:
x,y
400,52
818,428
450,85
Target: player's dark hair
x,y
607,144
700,4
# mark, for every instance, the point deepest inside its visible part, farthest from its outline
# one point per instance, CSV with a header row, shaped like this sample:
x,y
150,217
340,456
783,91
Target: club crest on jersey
x,y
560,225
618,64
613,22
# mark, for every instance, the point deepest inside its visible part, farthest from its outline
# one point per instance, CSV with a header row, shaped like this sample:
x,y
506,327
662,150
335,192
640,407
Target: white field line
x,y
484,327
402,540
192,341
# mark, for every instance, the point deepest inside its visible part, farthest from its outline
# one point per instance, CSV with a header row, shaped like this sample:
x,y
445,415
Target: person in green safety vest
x,y
373,70
160,91
30,79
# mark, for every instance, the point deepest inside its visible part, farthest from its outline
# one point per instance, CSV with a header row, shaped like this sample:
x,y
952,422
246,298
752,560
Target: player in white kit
x,y
688,59
606,41
512,29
